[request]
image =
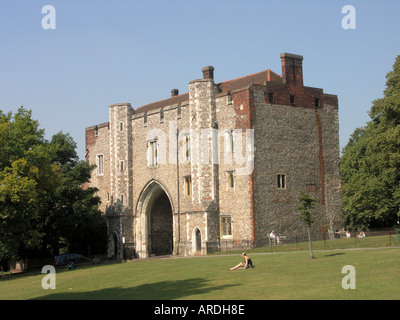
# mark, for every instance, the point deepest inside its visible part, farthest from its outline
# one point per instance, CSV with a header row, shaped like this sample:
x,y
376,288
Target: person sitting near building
x,y
361,235
274,237
247,264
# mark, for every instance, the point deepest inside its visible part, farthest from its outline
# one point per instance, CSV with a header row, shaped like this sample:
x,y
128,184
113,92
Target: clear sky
x,y
105,52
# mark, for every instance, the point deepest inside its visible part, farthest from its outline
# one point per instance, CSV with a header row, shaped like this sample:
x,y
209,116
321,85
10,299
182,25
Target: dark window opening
x,y
270,97
281,181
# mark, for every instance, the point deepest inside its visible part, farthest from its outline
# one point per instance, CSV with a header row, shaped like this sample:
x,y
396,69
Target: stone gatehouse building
x,y
218,167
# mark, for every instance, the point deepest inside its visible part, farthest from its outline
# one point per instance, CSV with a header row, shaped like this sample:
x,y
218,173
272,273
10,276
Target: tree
x,y
27,176
43,204
370,163
74,221
306,204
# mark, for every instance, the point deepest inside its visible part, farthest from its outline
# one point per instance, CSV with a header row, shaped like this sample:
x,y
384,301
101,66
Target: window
x,y
187,148
100,164
316,102
291,99
152,153
231,180
281,179
312,187
229,141
230,100
226,226
122,166
179,112
161,116
188,186
270,97
121,126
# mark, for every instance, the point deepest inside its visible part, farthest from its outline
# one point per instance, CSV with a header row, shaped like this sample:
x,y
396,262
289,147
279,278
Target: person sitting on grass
x,y
244,265
70,265
361,235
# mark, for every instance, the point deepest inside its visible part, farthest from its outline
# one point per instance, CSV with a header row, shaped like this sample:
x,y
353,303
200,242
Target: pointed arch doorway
x,y
154,222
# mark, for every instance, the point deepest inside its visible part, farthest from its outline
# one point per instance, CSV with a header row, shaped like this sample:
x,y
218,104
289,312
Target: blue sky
x,y
106,52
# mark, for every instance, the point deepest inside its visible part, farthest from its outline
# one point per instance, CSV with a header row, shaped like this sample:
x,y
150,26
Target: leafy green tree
x,y
370,163
74,222
43,205
27,175
306,204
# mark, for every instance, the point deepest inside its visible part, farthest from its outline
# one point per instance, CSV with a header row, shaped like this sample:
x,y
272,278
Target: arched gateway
x,y
154,221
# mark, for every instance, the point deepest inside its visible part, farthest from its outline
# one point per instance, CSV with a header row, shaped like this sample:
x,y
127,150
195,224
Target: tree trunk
x,y
309,241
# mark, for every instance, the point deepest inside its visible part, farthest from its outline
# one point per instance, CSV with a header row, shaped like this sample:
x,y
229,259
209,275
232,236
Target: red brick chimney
x,y
292,68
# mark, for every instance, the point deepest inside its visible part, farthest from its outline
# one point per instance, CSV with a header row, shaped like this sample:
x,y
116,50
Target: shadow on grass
x,y
333,254
163,290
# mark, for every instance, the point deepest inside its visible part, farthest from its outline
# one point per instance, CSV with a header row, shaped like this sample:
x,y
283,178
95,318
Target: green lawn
x,y
287,275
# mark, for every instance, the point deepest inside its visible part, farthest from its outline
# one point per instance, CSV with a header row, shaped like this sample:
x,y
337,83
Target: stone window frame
x,y
187,186
229,141
188,146
281,181
152,159
230,183
162,115
100,164
226,226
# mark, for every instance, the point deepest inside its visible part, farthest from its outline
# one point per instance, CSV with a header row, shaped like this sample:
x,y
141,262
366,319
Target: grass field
x,y
284,275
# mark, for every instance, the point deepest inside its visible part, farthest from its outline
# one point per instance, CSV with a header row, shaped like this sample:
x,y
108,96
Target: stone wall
x,y
244,133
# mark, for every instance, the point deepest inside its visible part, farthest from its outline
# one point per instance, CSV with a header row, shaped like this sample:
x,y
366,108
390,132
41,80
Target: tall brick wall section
x,y
299,141
98,143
